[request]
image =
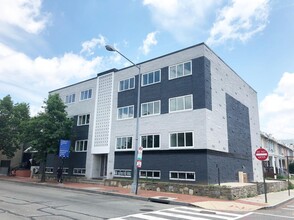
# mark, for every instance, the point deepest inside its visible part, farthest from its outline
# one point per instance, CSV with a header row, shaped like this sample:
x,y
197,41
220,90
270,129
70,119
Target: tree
x,y
12,118
44,131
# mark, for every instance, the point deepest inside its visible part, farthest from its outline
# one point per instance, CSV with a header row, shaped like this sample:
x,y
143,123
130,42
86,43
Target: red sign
x,y
139,163
261,154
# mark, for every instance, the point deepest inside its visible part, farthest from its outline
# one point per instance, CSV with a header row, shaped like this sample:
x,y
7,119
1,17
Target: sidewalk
x,y
247,204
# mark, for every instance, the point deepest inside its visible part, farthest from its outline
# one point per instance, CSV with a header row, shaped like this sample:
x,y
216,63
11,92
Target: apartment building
x,y
279,152
196,115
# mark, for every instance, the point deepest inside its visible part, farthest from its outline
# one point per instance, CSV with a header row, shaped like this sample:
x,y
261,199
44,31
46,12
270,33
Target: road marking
x,y
280,216
183,213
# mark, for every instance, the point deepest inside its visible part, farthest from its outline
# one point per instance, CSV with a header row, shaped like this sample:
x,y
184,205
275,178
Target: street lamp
x,y
134,188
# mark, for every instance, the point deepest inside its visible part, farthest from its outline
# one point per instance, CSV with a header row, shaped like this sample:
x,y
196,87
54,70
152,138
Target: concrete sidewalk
x,y
247,204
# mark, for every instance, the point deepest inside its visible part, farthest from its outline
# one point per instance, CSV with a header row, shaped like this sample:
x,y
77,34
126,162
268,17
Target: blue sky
x,y
47,44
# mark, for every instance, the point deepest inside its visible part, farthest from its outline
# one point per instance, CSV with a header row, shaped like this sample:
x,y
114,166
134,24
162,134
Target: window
x,y
70,98
79,171
180,103
149,174
122,173
81,145
65,170
83,119
184,139
150,141
182,175
123,143
125,112
126,84
180,70
87,94
151,78
49,170
150,108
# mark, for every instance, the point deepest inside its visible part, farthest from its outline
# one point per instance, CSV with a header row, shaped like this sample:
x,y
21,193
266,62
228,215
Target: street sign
x,y
139,163
139,157
261,154
64,148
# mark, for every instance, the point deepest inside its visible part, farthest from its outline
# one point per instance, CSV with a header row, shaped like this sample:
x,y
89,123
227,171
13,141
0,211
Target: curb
x,y
276,205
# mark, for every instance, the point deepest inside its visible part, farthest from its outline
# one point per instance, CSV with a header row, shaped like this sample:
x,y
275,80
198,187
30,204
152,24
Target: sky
x,y
48,44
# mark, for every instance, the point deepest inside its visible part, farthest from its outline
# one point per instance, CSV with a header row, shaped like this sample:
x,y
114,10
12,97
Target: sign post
x,y
64,147
262,155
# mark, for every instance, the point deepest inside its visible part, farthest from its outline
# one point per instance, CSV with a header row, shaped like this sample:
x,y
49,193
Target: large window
x,y
81,145
83,119
70,98
180,103
184,139
79,171
125,112
126,84
151,78
123,143
149,174
150,108
122,173
180,70
87,94
182,175
150,141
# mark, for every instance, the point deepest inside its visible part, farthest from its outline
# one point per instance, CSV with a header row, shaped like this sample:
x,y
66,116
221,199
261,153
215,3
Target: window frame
x,y
126,171
177,100
87,120
128,107
71,98
122,137
153,141
183,70
129,84
49,168
153,171
83,148
88,93
151,73
182,172
82,173
153,104
177,141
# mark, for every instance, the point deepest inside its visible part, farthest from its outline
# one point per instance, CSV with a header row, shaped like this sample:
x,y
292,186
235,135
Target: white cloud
x,y
23,14
180,18
148,42
89,46
31,79
276,109
239,21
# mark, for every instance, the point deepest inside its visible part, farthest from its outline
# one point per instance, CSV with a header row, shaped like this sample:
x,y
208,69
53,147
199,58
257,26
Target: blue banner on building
x,y
64,148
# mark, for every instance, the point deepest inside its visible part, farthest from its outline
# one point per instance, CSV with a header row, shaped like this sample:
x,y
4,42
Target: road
x,y
20,201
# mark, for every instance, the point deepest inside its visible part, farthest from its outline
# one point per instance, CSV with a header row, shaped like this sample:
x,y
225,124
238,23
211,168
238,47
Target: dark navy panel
x,y
75,160
198,84
165,161
80,132
238,126
201,83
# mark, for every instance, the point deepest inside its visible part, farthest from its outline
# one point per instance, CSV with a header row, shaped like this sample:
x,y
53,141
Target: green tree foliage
x,y
12,118
44,131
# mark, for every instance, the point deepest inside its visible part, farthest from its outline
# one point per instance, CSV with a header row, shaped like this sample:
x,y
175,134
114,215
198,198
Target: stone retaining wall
x,y
213,191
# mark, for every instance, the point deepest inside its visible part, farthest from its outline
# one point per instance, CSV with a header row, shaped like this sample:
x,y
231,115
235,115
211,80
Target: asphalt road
x,y
21,202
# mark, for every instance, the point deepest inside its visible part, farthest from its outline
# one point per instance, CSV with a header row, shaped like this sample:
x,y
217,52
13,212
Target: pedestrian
x,y
59,175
